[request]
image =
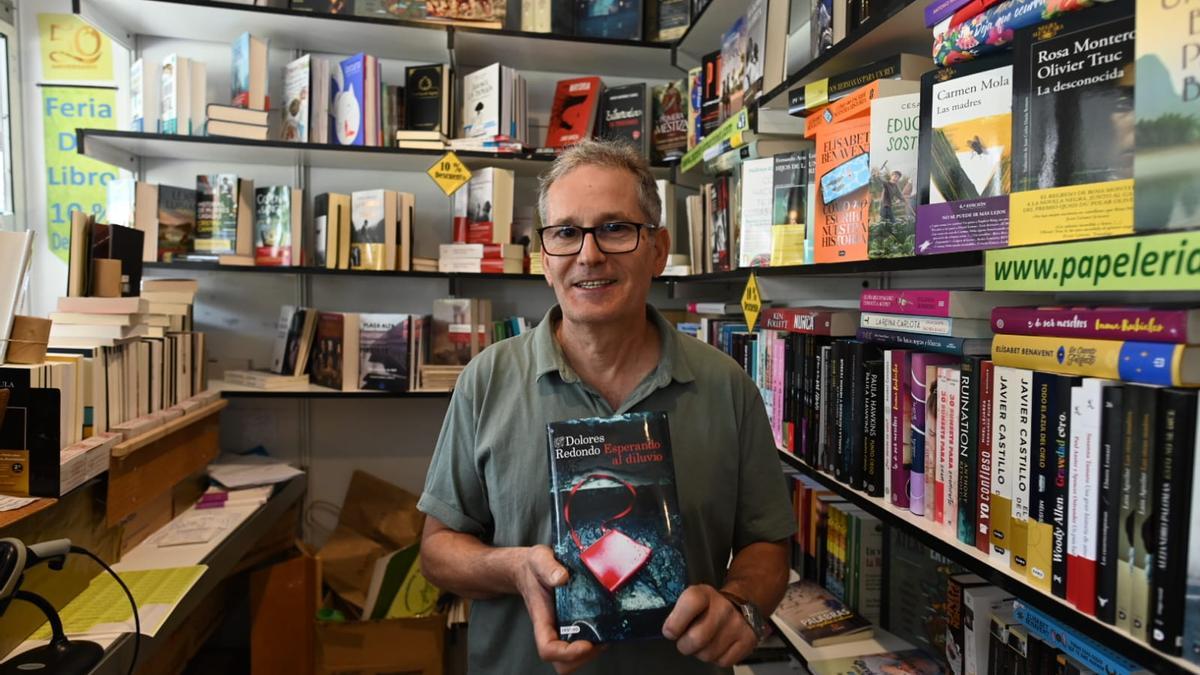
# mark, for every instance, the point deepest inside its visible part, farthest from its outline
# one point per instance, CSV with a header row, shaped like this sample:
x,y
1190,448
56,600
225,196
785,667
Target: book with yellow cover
x,y
1154,363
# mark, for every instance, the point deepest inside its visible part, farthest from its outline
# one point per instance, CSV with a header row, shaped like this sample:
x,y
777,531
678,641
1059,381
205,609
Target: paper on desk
x,y
14,503
239,471
196,527
103,609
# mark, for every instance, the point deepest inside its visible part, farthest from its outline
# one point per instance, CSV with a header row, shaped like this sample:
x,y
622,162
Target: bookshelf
x,y
313,391
427,42
881,641
195,266
124,148
705,32
978,562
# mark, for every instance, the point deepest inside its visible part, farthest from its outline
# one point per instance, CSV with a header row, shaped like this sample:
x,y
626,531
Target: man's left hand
x,y
705,624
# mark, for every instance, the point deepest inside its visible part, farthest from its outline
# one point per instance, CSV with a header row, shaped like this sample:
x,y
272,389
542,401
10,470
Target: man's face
x,y
592,286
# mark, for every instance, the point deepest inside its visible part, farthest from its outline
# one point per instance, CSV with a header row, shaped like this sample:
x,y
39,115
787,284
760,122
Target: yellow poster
x,y
72,50
74,182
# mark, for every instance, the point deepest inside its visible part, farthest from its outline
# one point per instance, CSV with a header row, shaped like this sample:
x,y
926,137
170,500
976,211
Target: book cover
x,y
424,97
624,115
895,131
1042,485
928,325
923,391
216,213
900,433
347,109
1131,361
240,71
964,172
1148,324
617,526
956,646
174,85
710,102
368,234
841,229
1004,401
1167,111
733,68
913,661
754,245
695,101
621,20
1173,469
873,426
821,27
296,78
818,617
1130,418
272,225
30,443
383,352
176,221
669,125
451,342
573,113
1073,126
481,114
329,351
289,332
1112,419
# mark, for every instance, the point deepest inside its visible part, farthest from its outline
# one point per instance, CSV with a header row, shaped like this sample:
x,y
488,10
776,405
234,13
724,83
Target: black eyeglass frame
x,y
592,231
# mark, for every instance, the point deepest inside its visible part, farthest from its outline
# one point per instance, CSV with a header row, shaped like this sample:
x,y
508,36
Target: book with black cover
x,y
617,526
1112,437
383,350
818,617
968,446
710,101
623,116
29,444
1173,466
1042,489
118,242
425,107
872,426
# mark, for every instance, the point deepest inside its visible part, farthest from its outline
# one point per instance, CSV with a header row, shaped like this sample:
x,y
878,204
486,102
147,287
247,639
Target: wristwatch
x,y
750,613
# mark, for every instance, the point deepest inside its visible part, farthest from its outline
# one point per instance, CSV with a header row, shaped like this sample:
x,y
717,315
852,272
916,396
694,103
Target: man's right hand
x,y
536,575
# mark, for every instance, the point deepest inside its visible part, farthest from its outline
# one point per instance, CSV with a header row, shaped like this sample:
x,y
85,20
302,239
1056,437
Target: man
x,y
602,351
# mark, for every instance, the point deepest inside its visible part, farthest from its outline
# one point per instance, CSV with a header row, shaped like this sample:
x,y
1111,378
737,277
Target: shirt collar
x,y
548,354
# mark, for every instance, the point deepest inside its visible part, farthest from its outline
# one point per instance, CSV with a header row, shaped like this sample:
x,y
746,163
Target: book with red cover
x,y
573,113
811,320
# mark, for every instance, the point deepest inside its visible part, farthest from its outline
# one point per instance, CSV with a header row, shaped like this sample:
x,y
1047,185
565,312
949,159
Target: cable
x,y
137,621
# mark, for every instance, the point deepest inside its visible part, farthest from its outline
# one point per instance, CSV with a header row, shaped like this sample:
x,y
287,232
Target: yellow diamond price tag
x,y
449,173
751,302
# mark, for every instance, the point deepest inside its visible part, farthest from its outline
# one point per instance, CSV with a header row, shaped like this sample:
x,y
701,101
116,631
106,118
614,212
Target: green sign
x,y
740,121
1155,262
74,182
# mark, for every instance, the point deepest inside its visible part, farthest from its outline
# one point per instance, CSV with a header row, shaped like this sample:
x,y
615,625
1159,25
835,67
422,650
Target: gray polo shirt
x,y
490,476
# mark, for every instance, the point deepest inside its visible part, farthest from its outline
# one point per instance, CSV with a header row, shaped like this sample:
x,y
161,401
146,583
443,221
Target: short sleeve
x,y
454,491
764,510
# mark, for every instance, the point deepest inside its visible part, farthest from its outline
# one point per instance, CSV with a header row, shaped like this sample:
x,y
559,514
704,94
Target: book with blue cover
x,y
617,526
348,109
613,19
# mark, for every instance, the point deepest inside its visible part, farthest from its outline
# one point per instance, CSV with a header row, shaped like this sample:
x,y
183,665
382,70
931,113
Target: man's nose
x,y
590,254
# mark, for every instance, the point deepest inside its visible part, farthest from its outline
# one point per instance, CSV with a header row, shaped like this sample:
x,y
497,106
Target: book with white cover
x,y
757,185
296,97
16,249
176,95
481,109
143,96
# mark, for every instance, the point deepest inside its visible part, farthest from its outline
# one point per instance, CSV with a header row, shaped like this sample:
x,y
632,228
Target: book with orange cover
x,y
841,220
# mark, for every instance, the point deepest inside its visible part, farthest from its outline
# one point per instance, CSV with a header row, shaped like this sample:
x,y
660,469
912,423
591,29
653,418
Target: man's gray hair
x,y
608,154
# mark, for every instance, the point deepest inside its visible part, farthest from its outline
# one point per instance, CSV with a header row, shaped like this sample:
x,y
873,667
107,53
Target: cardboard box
x,y
381,647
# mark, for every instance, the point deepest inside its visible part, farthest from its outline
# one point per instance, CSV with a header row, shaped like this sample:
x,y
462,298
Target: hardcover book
x,y
383,351
818,617
669,123
216,213
1167,110
426,102
895,130
841,227
176,221
573,113
617,526
624,116
1073,127
966,154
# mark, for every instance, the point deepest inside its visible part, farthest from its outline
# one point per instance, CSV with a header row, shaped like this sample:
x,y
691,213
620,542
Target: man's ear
x,y
662,249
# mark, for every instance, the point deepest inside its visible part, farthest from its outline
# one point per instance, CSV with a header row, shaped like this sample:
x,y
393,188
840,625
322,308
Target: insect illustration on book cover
x,y
617,526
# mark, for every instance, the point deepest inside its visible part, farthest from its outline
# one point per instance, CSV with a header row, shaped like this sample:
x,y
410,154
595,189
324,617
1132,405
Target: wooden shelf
x,y
413,41
221,563
978,562
8,518
314,391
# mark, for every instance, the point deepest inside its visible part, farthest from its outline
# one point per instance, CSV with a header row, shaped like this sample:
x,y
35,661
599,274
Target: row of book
x,y
349,351
116,367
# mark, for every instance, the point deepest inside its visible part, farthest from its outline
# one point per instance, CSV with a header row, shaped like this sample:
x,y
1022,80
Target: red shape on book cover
x,y
615,557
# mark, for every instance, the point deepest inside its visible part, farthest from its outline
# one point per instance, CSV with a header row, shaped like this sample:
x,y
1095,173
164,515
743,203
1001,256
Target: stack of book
x,y
246,114
482,258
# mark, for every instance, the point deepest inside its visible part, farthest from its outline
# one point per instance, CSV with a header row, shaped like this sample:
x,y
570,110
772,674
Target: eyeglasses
x,y
610,237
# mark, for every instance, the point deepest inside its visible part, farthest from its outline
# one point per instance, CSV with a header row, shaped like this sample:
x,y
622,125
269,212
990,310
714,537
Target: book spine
x,y
1141,362
1149,325
855,416
968,448
954,624
1089,475
913,303
1130,417
887,395
901,400
938,402
907,324
821,403
1039,548
838,392
798,321
983,499
873,429
950,450
1139,599
1075,525
1173,470
1112,434
939,10
1020,442
1191,619
1002,464
938,344
1091,654
1062,506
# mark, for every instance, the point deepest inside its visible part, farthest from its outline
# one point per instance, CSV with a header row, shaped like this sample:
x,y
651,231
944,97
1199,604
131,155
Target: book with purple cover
x,y
1148,324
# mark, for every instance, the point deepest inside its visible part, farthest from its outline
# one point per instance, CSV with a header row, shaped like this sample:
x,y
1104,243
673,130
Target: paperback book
x,y
843,178
176,221
895,130
573,113
216,213
617,526
669,140
274,215
296,97
818,617
384,352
